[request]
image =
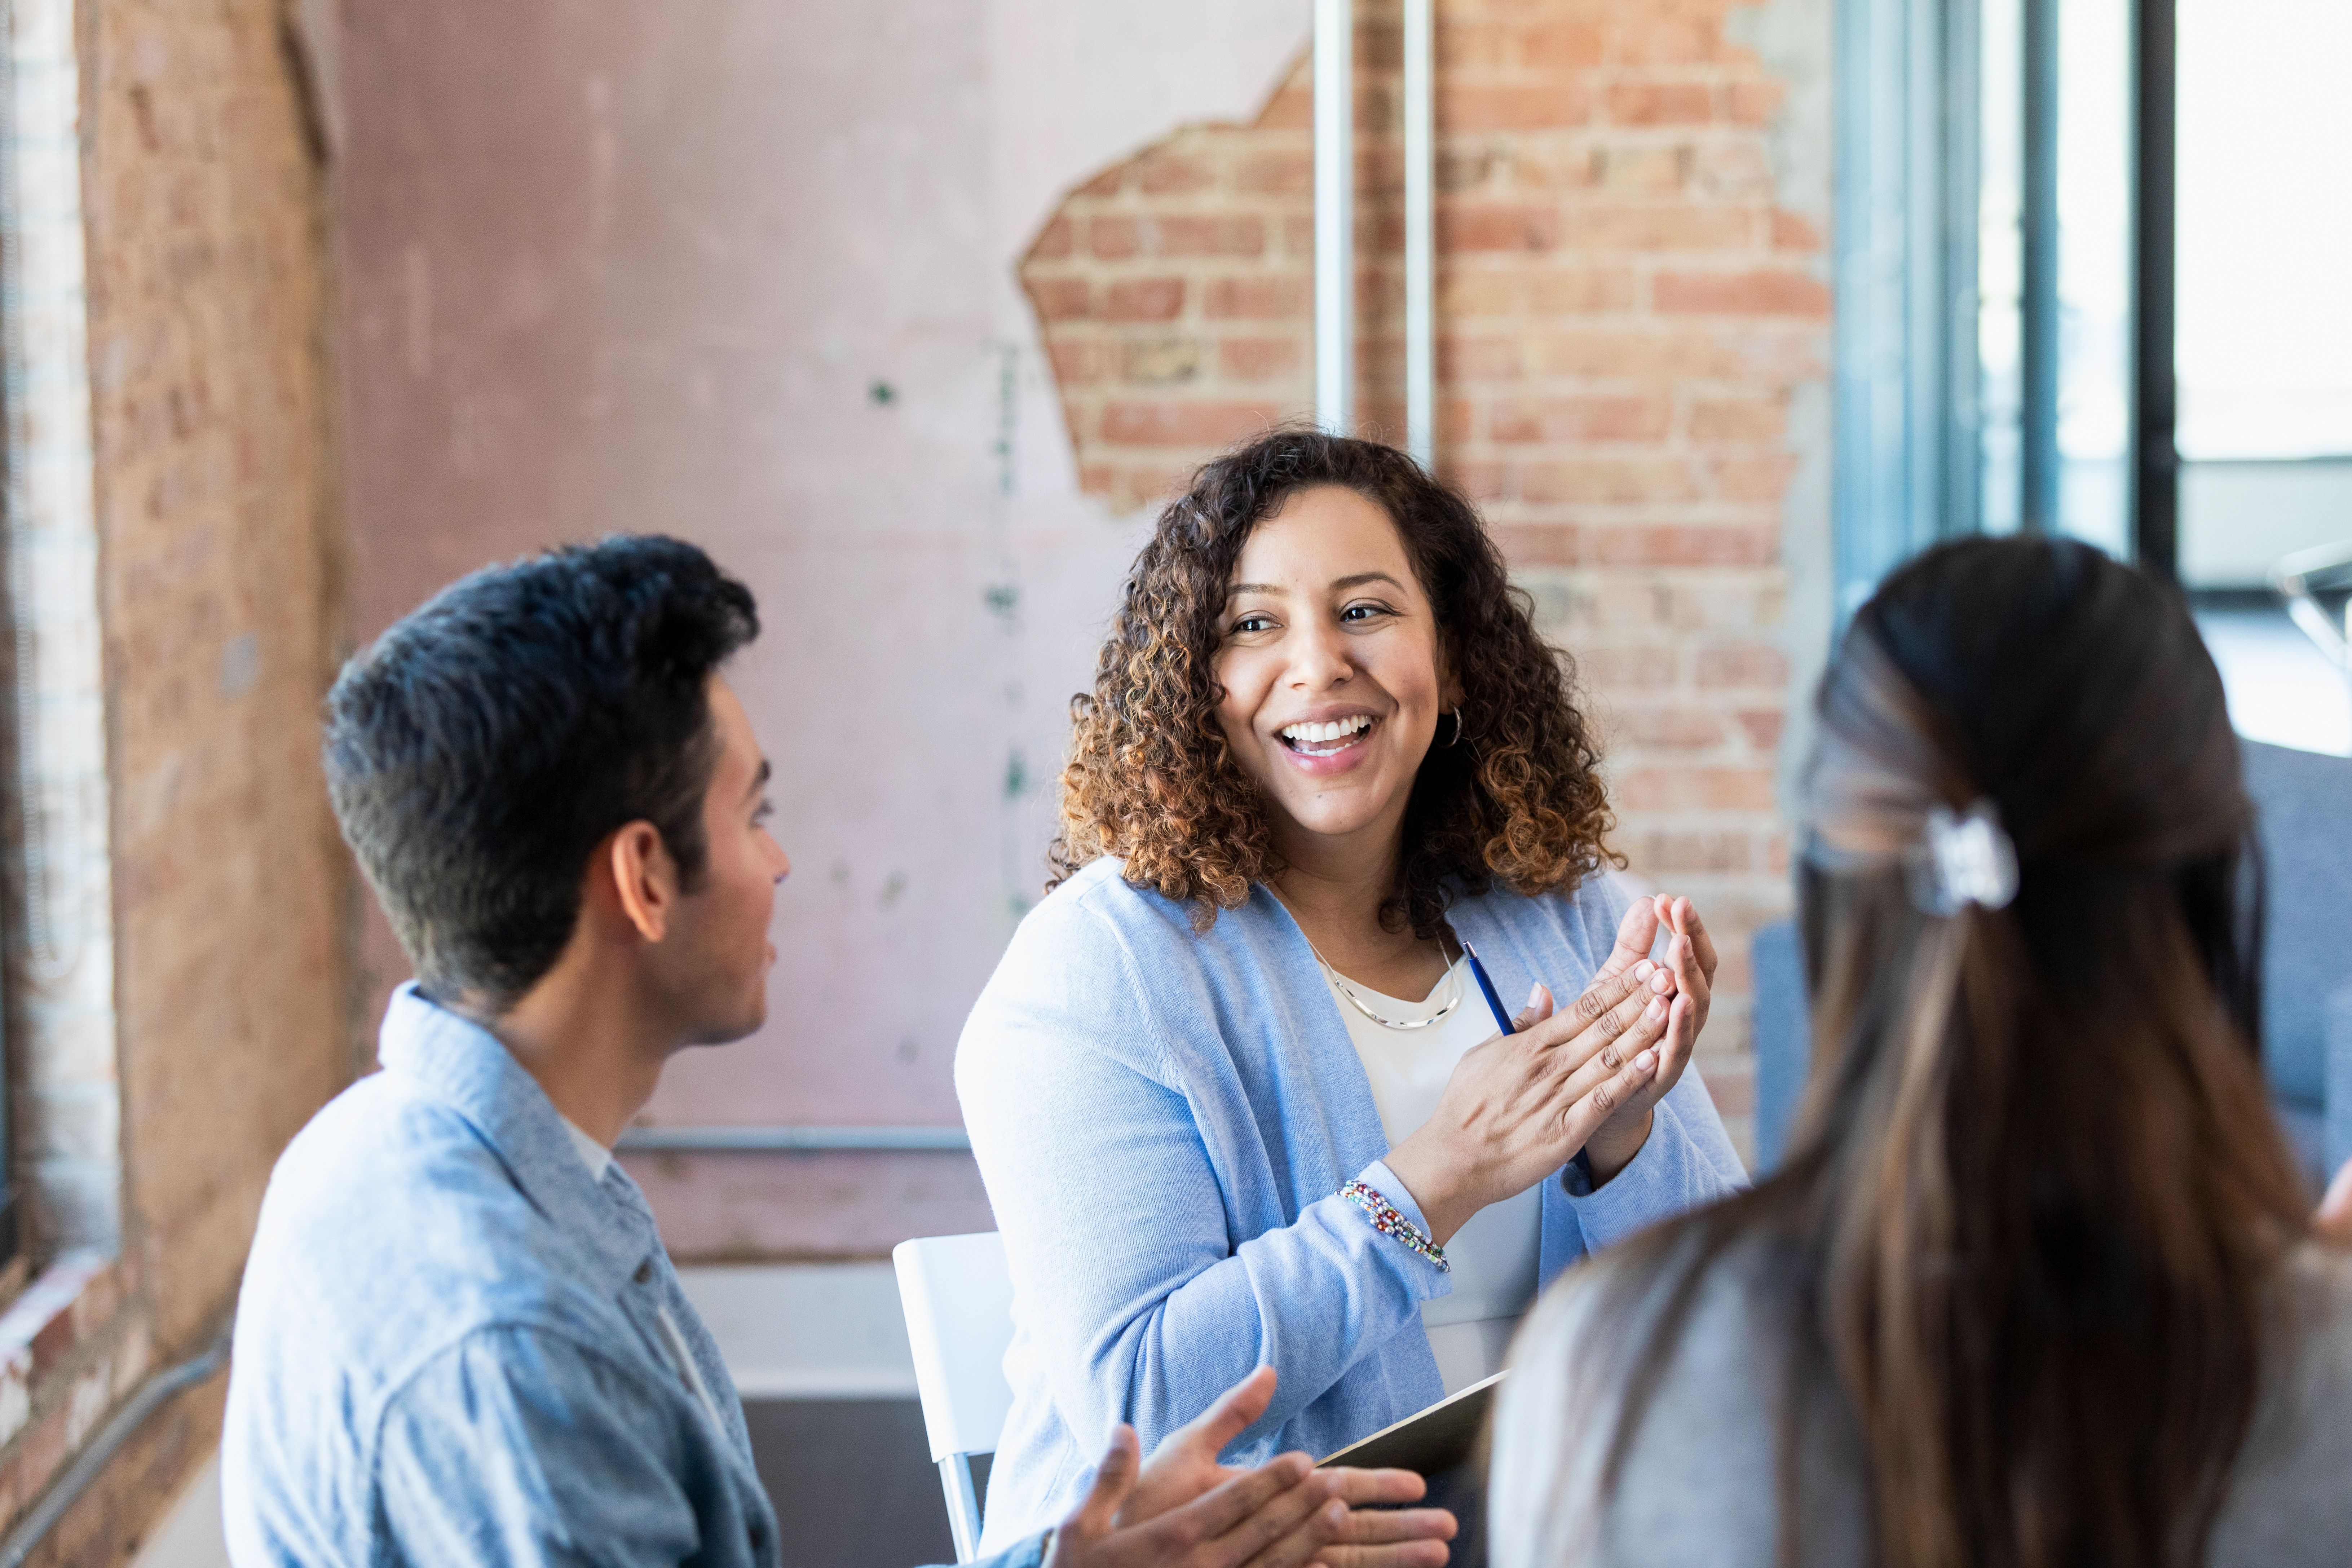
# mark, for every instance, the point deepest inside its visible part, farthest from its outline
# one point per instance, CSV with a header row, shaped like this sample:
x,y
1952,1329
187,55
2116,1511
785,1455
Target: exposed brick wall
x,y
1176,295
1626,309
72,1346
218,509
217,520
122,1510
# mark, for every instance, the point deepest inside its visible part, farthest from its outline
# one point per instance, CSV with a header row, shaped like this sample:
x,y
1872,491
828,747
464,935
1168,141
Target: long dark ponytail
x,y
2035,1191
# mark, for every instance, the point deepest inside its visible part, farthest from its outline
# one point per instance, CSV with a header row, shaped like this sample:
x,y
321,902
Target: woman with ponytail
x,y
2035,1285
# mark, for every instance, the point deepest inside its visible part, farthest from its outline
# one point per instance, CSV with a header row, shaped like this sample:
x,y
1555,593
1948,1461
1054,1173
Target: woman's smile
x,y
1328,746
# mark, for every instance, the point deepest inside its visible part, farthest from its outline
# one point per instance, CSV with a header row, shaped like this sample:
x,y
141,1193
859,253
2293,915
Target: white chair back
x,y
958,1298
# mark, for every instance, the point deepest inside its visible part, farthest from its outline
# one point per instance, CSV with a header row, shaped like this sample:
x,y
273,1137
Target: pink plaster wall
x,y
618,267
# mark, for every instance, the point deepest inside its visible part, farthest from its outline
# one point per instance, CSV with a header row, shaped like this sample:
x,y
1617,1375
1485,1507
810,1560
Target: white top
x,y
599,1159
1700,1486
1493,1254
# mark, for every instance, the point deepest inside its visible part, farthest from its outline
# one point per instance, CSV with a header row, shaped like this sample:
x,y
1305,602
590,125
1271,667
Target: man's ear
x,y
645,878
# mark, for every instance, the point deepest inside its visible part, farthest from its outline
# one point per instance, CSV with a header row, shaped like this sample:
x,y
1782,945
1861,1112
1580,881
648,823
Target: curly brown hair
x,y
1150,778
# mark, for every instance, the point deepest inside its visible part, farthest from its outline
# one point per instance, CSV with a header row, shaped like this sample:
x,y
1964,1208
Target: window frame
x,y
1907,383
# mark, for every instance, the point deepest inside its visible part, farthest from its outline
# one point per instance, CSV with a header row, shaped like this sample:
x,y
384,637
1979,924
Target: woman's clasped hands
x,y
1184,1509
1520,1106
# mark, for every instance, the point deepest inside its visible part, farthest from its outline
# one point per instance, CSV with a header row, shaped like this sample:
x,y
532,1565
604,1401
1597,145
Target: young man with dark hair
x,y
459,1338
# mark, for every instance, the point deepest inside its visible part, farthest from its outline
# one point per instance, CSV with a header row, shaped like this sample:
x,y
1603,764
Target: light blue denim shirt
x,y
450,1347
1164,1121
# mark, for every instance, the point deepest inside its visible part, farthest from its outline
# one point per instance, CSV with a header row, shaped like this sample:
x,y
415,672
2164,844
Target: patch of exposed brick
x,y
1625,313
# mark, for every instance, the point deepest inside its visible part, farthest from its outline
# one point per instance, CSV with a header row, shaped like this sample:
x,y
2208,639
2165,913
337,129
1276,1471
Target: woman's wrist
x,y
1609,1151
1425,1173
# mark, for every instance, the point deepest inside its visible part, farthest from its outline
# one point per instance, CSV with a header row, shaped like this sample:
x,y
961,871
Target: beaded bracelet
x,y
1389,1221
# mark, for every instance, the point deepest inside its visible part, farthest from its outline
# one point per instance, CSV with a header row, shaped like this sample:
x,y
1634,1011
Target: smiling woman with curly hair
x,y
1512,796
1233,1089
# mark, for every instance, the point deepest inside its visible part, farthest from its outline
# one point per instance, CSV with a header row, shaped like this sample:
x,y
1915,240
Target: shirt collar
x,y
593,1154
465,1067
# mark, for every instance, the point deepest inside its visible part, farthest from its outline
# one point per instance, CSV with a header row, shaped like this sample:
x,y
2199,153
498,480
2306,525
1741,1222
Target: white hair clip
x,y
1967,859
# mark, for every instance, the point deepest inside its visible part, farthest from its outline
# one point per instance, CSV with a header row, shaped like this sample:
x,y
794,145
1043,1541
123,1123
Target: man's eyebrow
x,y
760,779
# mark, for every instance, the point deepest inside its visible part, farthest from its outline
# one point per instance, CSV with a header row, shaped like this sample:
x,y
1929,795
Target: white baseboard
x,y
190,1535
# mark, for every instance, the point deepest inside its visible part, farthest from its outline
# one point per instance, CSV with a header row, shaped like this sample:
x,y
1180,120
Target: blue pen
x,y
1495,1003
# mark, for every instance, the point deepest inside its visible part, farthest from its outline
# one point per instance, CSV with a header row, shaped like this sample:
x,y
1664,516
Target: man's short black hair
x,y
480,752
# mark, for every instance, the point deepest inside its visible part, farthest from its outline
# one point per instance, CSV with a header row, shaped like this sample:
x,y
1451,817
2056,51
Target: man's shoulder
x,y
392,1227
391,1237
386,1147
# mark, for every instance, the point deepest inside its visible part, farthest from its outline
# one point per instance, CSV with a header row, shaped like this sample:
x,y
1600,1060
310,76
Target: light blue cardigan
x,y
1164,1121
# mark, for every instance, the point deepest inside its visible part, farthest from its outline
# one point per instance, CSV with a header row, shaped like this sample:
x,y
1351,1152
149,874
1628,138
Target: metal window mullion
x,y
1922,227
1335,238
749,1139
1905,451
2155,455
1960,155
1870,452
2038,457
1420,233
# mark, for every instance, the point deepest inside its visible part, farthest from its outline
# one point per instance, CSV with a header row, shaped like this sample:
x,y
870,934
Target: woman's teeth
x,y
1322,740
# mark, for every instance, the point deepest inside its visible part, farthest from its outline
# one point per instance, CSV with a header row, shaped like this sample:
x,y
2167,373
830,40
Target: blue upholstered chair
x,y
1784,1039
2306,805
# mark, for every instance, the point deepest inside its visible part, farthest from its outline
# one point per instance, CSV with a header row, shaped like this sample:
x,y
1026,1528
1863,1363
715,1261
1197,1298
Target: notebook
x,y
1444,1435
1446,1445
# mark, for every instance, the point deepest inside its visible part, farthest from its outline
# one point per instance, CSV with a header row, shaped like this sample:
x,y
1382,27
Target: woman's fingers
x,y
1607,991
1537,1010
1635,934
1615,1031
1657,976
1696,929
1690,979
1604,997
1681,1035
1645,1032
1675,1045
1584,1115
